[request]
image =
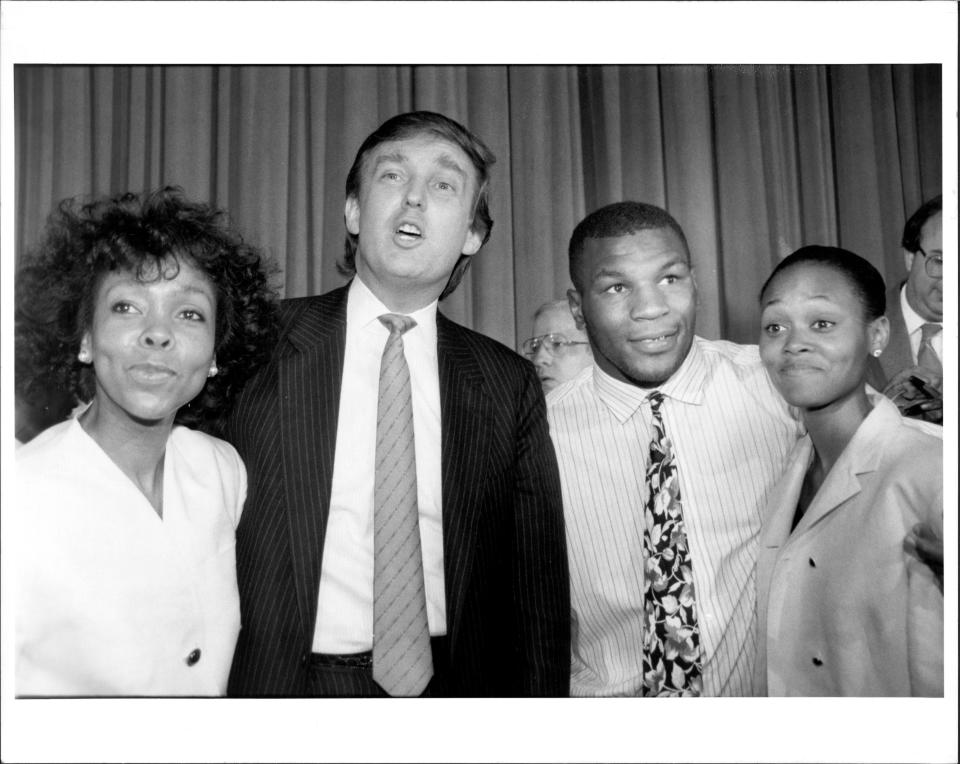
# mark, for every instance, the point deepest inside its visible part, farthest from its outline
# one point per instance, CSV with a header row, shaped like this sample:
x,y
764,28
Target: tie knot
x,y
397,323
929,331
655,398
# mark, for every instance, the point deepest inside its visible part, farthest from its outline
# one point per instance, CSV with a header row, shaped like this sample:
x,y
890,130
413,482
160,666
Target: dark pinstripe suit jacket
x,y
505,563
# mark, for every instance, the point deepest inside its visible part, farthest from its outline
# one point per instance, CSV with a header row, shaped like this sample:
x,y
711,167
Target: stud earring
x,y
213,370
83,356
877,352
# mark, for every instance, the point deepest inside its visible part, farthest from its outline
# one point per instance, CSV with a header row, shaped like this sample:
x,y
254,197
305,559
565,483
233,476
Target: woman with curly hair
x,y
150,311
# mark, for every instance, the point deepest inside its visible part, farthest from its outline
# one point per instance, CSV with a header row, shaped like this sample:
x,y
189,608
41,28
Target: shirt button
x,y
817,661
193,657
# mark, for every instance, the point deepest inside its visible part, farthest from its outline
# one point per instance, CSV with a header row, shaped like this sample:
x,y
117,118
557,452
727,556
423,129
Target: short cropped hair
x,y
148,235
914,226
415,123
866,281
619,219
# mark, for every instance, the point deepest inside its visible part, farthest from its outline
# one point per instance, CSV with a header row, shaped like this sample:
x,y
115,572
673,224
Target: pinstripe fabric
x,y
731,433
505,562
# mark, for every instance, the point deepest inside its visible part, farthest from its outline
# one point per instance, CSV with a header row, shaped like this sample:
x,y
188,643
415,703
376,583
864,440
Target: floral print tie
x,y
671,635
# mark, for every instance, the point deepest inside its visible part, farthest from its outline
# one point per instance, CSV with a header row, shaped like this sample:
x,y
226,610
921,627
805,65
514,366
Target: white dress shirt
x,y
914,323
112,599
732,433
345,602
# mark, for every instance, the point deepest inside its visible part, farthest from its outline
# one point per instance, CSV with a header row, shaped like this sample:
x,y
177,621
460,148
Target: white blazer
x,y
842,609
112,599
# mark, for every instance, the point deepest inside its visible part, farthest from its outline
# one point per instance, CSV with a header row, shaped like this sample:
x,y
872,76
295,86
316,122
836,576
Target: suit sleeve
x,y
542,594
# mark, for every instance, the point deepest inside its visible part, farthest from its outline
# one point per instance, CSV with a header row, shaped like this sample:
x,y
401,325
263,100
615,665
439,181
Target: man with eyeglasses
x,y
559,348
910,370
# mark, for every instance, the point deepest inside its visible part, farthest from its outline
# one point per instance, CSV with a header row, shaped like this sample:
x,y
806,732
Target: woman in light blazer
x,y
843,606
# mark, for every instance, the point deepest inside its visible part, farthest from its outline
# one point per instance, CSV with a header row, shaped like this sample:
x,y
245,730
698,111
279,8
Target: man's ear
x,y
472,243
576,309
908,259
351,215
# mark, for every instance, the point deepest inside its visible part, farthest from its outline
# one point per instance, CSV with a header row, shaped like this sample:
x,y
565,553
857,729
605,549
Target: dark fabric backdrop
x,y
754,161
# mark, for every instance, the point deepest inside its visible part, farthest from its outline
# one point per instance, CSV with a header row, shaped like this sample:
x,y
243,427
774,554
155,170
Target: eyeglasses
x,y
932,264
555,344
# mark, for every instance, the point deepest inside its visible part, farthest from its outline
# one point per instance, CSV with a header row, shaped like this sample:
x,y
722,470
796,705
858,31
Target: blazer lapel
x,y
860,456
464,424
309,387
782,504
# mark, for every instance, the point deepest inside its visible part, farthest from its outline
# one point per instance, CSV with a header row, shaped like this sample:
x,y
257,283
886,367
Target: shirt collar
x,y
685,384
364,309
911,319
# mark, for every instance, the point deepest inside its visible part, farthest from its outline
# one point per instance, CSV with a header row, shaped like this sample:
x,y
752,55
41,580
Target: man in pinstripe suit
x,y
490,516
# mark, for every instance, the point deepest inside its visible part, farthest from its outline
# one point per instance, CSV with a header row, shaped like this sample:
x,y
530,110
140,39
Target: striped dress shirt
x,y
732,433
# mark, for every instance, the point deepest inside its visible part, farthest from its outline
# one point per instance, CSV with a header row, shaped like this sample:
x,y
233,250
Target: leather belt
x,y
344,660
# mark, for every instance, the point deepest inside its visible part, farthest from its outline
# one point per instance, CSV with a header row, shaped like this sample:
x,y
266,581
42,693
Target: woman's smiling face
x,y
815,338
151,340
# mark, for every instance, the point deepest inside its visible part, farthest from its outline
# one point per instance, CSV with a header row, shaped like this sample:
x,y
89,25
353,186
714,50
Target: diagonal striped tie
x,y
402,661
927,357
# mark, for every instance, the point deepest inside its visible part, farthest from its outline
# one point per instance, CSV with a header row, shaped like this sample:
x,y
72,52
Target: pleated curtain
x,y
754,161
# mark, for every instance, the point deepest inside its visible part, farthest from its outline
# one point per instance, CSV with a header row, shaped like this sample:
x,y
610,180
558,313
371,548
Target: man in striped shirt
x,y
635,294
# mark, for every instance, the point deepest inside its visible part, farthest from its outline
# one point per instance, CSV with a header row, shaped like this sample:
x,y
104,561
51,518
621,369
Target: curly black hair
x,y
57,283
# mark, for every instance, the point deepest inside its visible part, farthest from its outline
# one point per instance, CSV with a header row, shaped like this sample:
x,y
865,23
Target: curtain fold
x,y
754,161
546,168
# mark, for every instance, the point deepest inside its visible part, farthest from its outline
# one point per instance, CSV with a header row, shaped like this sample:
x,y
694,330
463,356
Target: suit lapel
x,y
464,425
309,387
782,506
840,485
861,455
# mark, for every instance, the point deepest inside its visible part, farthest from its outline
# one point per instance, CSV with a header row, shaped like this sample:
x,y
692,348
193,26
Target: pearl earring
x,y
83,356
877,352
213,370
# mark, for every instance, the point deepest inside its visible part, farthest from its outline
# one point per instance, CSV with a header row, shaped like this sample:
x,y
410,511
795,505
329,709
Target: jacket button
x,y
304,659
194,657
812,563
817,662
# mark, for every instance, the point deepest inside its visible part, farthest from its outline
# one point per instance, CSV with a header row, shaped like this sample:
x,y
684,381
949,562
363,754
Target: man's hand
x,y
923,543
918,393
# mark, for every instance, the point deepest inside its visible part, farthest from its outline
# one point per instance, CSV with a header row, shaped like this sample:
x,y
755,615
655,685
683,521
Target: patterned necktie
x,y
402,661
926,356
671,635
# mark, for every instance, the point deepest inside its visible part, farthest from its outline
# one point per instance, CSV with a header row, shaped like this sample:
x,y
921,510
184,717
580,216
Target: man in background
x,y
403,531
910,370
667,450
559,349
